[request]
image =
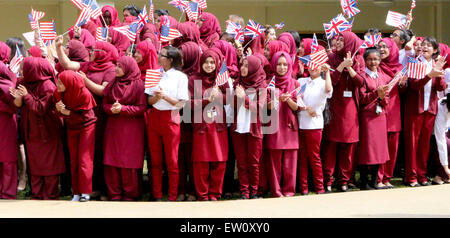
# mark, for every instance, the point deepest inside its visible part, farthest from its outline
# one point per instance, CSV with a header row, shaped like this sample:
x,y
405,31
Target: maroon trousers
x,y
44,187
81,147
263,172
122,183
247,150
386,170
8,180
310,157
344,153
186,169
418,129
208,179
282,172
164,137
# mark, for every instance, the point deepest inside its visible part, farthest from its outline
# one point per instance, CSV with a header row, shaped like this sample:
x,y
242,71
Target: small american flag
x,y
271,83
336,25
84,17
253,29
397,78
279,26
416,69
223,76
37,15
192,11
235,30
371,41
168,33
396,19
33,23
349,8
315,60
101,34
16,60
48,30
314,44
201,4
130,31
91,5
153,77
413,4
179,4
150,10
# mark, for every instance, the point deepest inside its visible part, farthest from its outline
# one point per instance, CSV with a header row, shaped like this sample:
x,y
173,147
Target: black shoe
x,y
366,187
157,199
436,183
383,187
411,184
84,199
255,197
228,196
425,184
351,186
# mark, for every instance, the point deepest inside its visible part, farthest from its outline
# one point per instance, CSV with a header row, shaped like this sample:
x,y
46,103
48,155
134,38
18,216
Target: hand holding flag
x,y
16,61
223,75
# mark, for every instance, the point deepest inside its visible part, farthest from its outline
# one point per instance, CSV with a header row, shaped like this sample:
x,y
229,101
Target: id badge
x,y
378,110
347,94
212,113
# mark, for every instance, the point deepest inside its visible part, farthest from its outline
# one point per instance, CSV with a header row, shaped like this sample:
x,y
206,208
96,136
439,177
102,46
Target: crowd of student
x,y
83,107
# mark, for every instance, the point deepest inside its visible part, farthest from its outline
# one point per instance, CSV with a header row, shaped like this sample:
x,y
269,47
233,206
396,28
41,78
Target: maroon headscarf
x,y
189,32
229,53
77,51
191,58
76,96
105,56
86,38
210,29
120,41
122,88
35,51
277,46
208,80
285,83
35,71
391,65
445,50
351,44
149,57
289,40
7,79
114,16
149,31
256,77
5,52
257,45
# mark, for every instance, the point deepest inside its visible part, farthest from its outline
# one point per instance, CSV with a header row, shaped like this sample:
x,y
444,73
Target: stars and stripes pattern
x,y
16,61
235,30
153,77
396,19
315,60
336,25
349,8
84,17
91,5
279,26
397,78
192,11
201,4
168,33
101,34
416,69
130,31
223,76
413,4
253,29
314,44
151,10
48,30
37,15
34,24
371,41
179,4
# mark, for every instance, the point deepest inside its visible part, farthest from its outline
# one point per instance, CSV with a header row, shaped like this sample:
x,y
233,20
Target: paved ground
x,y
404,202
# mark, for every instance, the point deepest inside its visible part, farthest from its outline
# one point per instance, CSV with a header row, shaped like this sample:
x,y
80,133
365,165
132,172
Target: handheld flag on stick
x,y
371,41
34,24
90,5
101,34
314,44
201,4
192,11
235,30
36,15
336,25
253,29
153,77
279,26
397,78
413,4
16,61
222,76
179,4
150,11
315,60
349,8
130,31
271,83
168,33
48,30
143,16
416,69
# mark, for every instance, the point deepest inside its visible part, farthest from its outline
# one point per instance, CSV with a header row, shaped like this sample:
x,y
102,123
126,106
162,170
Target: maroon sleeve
x,y
417,84
139,107
40,104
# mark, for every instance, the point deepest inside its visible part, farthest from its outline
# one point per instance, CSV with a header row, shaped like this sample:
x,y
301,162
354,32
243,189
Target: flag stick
x,y
310,60
65,32
249,42
329,45
353,56
182,13
104,22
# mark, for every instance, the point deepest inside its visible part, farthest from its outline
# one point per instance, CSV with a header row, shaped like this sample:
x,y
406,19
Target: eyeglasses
x,y
382,46
161,55
393,35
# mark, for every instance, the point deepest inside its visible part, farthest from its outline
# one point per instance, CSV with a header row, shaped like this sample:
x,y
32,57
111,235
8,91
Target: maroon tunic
x,y
373,146
8,122
343,126
124,134
40,122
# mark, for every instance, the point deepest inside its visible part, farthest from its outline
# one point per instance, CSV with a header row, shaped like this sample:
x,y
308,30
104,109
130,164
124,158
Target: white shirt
x,y
372,74
447,80
403,56
174,84
427,87
440,128
316,98
244,115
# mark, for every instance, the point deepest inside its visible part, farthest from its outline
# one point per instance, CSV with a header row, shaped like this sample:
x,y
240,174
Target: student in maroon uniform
x,y
75,103
209,28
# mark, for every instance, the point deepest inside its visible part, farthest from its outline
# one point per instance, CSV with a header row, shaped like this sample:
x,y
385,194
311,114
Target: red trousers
x,y
310,157
186,170
386,170
8,180
344,153
418,129
44,187
163,137
208,179
122,183
81,145
247,150
282,172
